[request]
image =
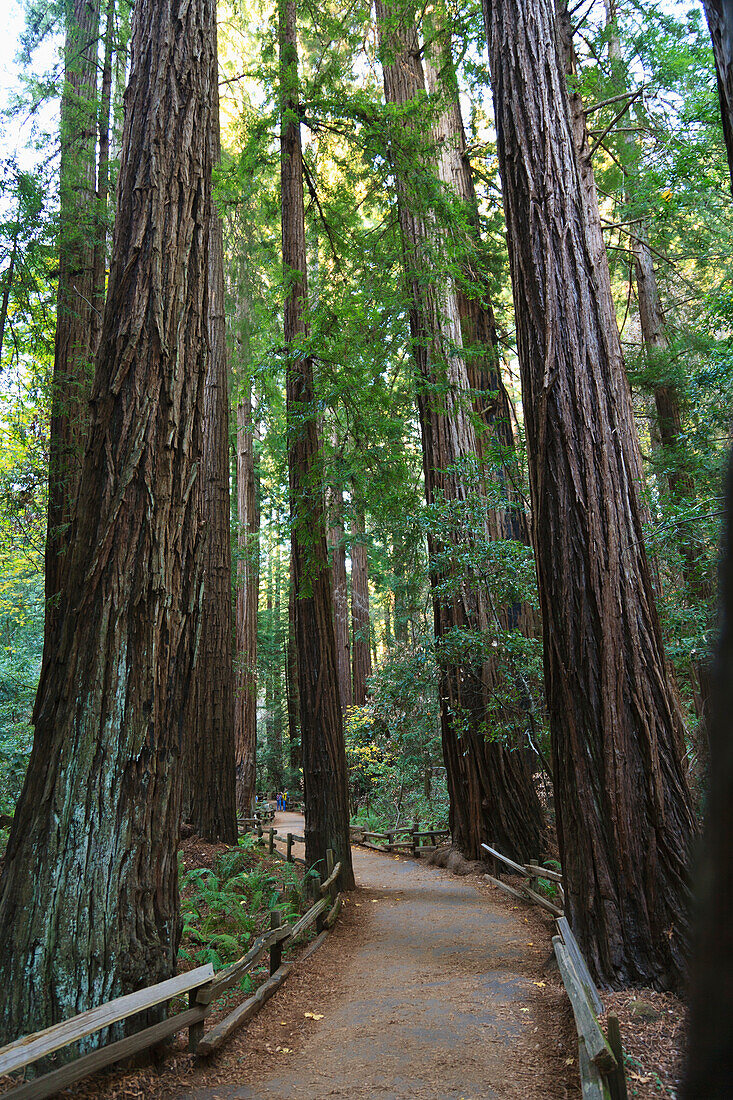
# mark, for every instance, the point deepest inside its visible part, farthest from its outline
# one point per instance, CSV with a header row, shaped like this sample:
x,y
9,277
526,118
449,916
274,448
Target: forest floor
x,y
431,987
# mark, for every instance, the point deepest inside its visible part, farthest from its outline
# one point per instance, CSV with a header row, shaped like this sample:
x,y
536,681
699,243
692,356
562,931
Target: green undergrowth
x,y
226,906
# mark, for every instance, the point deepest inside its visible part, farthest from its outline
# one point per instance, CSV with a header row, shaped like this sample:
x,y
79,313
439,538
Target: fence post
x,y
415,827
195,1031
259,829
290,848
330,863
271,842
276,949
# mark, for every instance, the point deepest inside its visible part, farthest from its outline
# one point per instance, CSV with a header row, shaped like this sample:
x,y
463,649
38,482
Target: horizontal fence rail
x,y
203,987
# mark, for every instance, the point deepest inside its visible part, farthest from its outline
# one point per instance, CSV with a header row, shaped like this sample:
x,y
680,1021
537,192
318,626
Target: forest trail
x,y
429,988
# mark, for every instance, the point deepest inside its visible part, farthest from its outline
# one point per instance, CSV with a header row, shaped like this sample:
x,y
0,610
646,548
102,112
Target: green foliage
x,y
223,909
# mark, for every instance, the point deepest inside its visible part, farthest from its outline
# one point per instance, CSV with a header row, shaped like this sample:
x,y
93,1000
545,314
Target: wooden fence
x,y
600,1058
202,986
414,839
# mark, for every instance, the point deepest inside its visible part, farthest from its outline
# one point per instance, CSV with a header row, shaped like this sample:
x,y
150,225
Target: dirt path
x,y
431,988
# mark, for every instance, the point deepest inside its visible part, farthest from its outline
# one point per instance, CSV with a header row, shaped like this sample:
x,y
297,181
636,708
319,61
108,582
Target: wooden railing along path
x,y
413,842
203,987
600,1058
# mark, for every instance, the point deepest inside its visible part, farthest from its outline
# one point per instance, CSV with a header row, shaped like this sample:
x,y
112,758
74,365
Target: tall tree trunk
x,y
72,366
624,815
360,618
720,21
89,894
710,1046
323,750
293,689
492,797
337,547
248,594
99,260
709,1067
209,785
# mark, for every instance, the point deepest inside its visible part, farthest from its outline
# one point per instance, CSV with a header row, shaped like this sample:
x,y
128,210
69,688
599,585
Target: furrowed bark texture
x,y
337,547
719,14
292,677
360,620
323,750
709,1068
624,815
248,594
492,798
209,784
89,893
73,354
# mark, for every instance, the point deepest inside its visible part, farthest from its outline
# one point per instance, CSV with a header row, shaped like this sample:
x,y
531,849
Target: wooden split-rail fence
x,y
414,840
600,1057
202,986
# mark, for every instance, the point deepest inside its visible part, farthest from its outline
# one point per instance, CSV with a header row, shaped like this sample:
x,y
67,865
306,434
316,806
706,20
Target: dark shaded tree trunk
x,y
492,797
337,547
360,620
624,815
89,895
719,14
248,594
209,784
323,750
709,1068
72,366
710,1045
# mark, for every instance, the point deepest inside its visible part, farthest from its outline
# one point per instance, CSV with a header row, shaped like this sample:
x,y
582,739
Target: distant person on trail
x,y
285,800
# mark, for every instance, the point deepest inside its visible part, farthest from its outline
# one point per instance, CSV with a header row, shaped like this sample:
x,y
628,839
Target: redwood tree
x,y
360,621
322,735
73,350
89,893
248,592
209,786
492,798
623,808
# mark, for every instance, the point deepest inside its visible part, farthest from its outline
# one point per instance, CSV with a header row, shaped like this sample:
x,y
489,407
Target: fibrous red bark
x,y
492,798
89,895
323,749
624,813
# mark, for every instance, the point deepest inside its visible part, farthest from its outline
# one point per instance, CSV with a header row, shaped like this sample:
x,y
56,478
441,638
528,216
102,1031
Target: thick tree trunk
x,y
209,783
337,547
624,814
89,893
72,367
710,1046
492,797
323,750
248,594
360,619
719,15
